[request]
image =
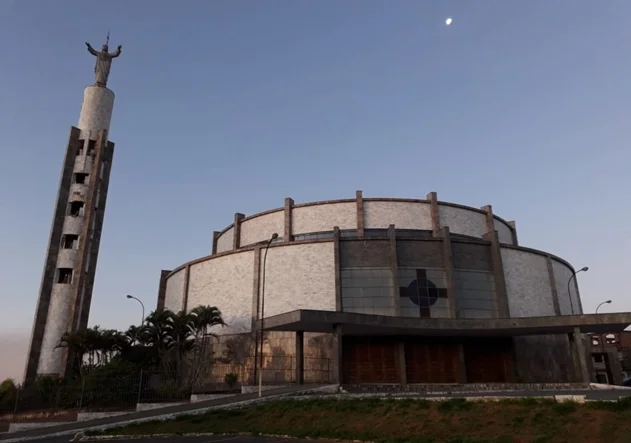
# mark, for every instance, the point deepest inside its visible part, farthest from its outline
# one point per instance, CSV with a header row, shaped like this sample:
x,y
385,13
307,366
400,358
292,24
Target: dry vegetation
x,y
525,420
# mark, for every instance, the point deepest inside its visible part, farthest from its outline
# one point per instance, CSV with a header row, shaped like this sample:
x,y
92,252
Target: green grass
x,y
409,420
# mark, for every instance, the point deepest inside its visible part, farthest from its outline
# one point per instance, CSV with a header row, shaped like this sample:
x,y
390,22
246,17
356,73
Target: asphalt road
x,y
175,439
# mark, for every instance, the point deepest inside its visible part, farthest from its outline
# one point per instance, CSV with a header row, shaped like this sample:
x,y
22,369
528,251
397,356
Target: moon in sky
x,y
448,21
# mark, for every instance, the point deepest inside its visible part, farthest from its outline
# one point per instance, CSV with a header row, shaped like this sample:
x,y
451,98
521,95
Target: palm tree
x,y
203,318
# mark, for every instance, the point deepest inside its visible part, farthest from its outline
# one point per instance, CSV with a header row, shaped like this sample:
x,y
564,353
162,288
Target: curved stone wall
x,y
404,215
360,213
302,275
318,218
260,228
174,295
527,283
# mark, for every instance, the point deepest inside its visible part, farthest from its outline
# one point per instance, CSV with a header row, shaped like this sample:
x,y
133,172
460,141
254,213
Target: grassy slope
x,y
526,420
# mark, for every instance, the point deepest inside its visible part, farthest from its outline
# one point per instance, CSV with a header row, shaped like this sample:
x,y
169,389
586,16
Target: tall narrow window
x,y
64,276
75,209
80,150
70,241
91,147
81,178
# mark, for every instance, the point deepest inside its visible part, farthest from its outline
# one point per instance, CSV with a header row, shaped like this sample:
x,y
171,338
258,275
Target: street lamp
x,y
269,242
602,337
569,292
143,308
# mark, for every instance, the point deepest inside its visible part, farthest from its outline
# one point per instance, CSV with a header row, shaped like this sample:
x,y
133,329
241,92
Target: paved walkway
x,y
71,428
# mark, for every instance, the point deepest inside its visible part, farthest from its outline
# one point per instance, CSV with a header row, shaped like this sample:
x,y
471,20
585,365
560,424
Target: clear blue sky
x,y
230,106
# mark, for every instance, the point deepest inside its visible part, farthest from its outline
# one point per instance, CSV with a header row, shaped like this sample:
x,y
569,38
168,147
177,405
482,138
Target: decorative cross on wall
x,y
423,293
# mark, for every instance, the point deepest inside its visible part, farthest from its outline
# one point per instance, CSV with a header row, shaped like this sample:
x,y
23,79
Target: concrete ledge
x,y
149,406
15,427
203,397
604,387
83,416
248,389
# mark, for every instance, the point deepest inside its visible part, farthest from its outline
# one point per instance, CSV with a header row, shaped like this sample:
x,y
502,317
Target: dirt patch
x,y
414,420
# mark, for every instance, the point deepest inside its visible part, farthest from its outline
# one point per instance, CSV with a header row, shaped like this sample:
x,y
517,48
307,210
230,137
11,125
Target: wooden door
x,y
370,360
427,362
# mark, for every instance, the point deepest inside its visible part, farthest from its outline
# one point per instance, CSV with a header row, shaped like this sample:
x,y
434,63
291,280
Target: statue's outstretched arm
x,y
116,53
91,49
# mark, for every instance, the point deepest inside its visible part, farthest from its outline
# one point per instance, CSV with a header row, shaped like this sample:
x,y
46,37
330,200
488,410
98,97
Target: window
x,y
475,294
70,241
75,209
91,147
81,178
64,276
80,150
599,358
367,291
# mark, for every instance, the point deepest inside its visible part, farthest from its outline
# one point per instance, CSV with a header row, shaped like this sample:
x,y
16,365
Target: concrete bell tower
x,y
66,288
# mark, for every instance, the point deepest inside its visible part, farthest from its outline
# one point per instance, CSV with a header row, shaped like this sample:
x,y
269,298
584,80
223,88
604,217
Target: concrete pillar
x,y
580,357
498,273
162,288
338,369
394,272
300,358
215,237
336,264
553,285
432,197
448,263
236,239
287,236
513,226
187,277
360,213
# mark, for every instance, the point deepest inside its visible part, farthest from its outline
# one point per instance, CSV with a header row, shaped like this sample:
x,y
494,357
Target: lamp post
x,y
143,307
269,242
569,292
608,302
603,337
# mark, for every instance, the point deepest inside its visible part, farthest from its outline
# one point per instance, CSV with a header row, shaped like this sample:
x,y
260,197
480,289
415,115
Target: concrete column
x,y
338,370
162,288
432,197
236,240
513,226
256,283
553,286
403,373
300,358
215,237
287,236
448,260
498,273
336,263
394,271
360,213
187,278
488,215
580,358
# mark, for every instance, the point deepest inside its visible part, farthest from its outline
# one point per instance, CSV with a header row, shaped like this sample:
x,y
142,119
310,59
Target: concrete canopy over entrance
x,y
363,324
